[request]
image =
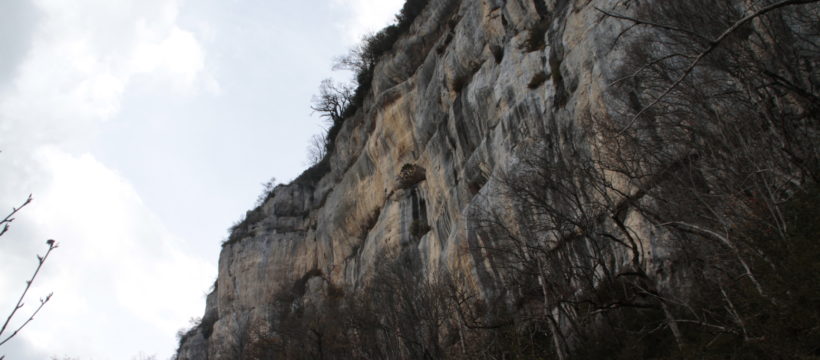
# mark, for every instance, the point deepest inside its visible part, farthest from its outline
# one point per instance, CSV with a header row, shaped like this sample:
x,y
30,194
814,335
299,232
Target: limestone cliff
x,y
449,109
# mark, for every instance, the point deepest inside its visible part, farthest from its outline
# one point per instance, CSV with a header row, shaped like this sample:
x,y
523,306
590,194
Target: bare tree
x,y
358,59
332,100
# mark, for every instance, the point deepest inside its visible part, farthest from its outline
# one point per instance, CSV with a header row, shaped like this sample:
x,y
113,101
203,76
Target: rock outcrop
x,y
451,107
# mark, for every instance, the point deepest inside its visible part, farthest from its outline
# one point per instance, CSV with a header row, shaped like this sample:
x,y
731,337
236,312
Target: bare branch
x,y
41,260
6,222
42,303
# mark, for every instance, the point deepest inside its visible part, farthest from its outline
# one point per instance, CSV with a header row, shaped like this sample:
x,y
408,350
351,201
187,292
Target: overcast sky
x,y
144,129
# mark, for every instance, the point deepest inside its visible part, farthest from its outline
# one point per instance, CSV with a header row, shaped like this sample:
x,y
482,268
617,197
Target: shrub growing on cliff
x,y
267,192
242,228
184,333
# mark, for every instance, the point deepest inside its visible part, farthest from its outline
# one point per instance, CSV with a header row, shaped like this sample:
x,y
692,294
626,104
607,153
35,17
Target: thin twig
x,y
40,261
42,303
10,217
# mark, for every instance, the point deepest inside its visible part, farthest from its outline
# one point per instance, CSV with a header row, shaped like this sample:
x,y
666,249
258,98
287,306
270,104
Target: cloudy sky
x,y
144,129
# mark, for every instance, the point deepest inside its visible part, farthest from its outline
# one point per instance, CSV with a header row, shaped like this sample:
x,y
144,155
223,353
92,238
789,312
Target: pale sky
x,y
144,129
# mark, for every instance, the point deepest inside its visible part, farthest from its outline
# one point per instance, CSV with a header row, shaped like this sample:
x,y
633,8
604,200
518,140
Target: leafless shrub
x,y
317,149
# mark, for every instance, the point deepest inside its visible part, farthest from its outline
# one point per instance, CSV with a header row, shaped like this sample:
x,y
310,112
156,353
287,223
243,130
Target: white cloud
x,y
84,55
369,16
176,58
122,281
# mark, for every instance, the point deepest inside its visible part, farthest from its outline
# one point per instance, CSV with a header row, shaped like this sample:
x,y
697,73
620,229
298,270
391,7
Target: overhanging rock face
x,y
450,106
